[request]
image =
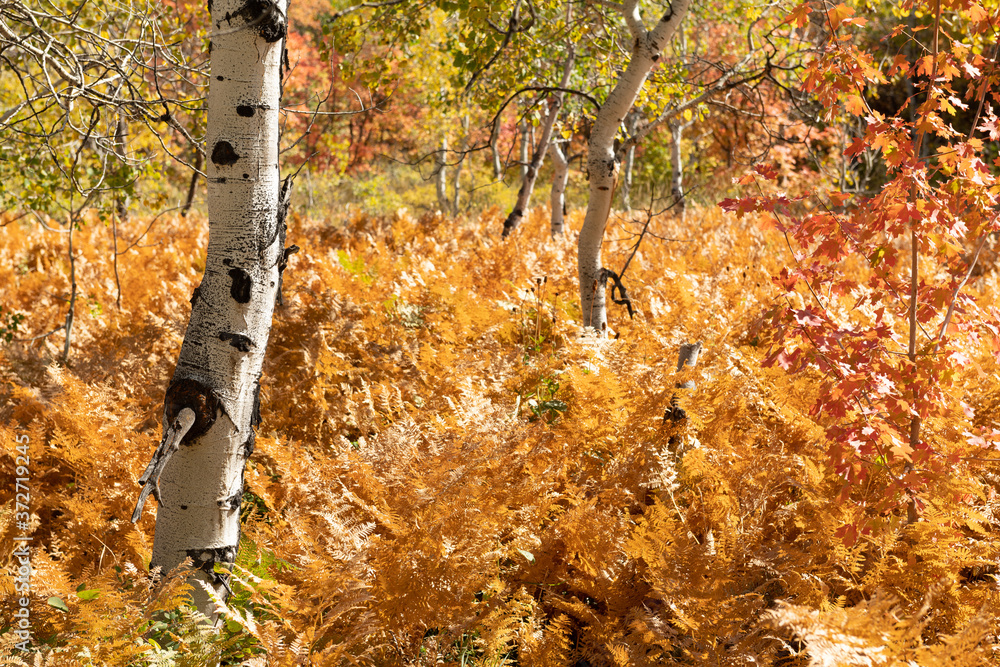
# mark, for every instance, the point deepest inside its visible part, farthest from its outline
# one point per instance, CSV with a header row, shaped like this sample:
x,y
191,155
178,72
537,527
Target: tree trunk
x,y
456,187
528,182
602,160
441,176
457,180
121,148
192,186
497,163
628,164
677,166
213,402
560,174
523,158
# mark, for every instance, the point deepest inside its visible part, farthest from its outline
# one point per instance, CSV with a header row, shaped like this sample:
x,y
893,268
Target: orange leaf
x,y
799,16
838,14
977,14
855,105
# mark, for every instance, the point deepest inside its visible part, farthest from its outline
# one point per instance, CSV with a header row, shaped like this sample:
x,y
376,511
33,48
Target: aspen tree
x,y
602,159
213,402
557,199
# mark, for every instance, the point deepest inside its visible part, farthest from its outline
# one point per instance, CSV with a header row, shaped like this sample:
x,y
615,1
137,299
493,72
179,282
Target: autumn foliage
x,y
448,472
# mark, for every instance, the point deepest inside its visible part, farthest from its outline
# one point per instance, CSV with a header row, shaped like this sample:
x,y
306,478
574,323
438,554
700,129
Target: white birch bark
x,y
560,174
602,161
456,187
218,371
528,182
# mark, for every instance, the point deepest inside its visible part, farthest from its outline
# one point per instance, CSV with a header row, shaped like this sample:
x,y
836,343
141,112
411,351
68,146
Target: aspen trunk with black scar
x,y
213,402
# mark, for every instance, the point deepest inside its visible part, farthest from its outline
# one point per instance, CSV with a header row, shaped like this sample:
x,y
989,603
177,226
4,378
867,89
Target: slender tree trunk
x,y
213,402
528,182
456,187
531,139
677,166
310,201
71,311
121,147
523,161
560,174
456,183
631,122
198,157
441,176
602,160
497,163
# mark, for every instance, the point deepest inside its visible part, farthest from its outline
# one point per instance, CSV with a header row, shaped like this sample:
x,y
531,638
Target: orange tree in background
x,y
891,341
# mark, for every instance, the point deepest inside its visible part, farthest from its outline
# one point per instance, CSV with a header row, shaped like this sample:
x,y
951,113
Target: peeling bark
x,y
219,368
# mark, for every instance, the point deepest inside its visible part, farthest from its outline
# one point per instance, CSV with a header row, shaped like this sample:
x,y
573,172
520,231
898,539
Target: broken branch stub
x,y
150,480
688,355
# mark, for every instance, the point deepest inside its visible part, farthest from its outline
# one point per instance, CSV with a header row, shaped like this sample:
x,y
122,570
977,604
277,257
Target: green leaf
x,y
58,604
88,595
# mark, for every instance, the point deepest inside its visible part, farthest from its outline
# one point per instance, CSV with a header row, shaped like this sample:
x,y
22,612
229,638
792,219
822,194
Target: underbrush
x,y
450,472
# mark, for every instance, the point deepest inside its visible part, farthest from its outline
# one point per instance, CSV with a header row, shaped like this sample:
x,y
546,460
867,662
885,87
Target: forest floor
x,y
450,471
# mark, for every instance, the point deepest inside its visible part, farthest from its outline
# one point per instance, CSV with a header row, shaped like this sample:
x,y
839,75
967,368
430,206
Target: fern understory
x,y
449,473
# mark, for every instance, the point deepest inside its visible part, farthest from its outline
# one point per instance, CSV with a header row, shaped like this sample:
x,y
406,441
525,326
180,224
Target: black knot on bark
x,y
618,287
189,393
265,18
239,341
240,289
255,417
245,110
205,559
224,155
